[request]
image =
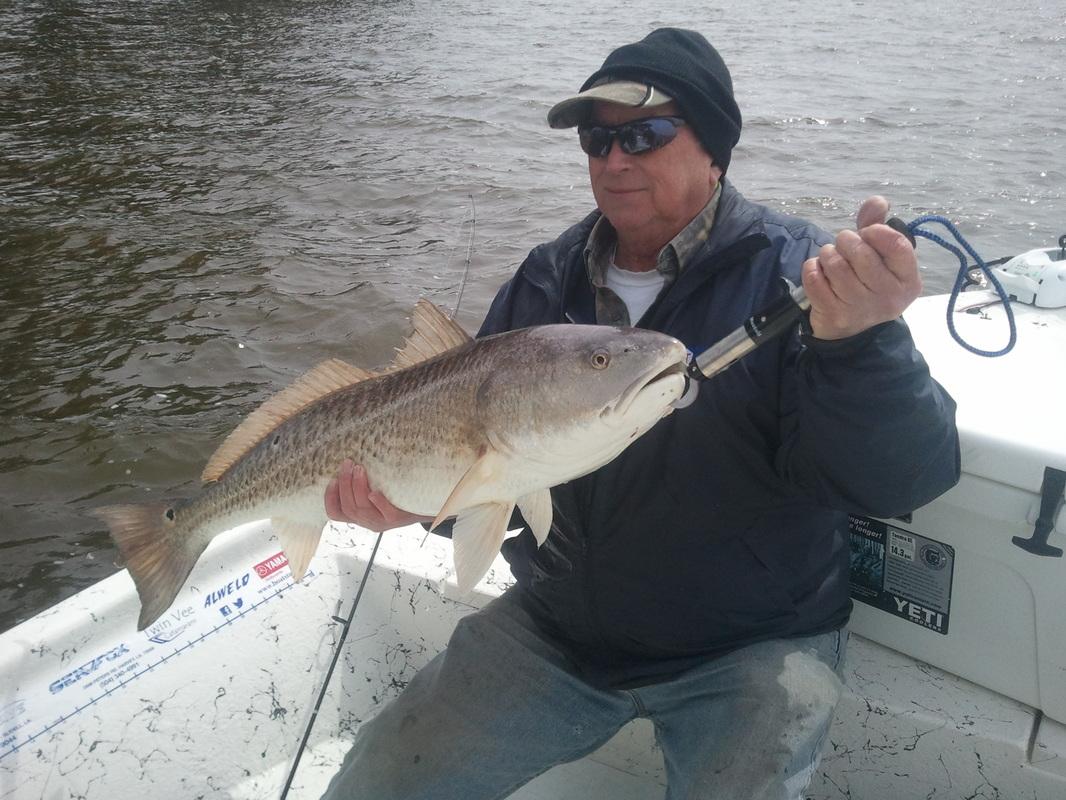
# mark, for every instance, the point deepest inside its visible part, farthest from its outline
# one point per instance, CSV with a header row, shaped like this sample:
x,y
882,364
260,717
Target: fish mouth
x,y
676,368
654,375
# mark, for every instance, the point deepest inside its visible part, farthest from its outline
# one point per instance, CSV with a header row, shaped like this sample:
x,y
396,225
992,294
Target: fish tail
x,y
157,555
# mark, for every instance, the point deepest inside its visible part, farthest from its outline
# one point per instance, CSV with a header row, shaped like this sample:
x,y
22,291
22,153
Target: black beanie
x,y
684,65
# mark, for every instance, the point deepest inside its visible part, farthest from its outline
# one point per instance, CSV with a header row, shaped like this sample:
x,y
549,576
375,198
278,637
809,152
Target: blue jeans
x,y
501,705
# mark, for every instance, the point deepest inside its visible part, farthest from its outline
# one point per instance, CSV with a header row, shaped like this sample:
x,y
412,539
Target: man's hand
x,y
349,498
866,277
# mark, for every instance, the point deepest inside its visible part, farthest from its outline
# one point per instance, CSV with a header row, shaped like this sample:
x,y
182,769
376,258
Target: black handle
x,y
1051,500
779,316
896,224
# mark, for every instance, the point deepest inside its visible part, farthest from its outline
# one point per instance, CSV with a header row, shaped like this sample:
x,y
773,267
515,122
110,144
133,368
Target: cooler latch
x,y
1052,497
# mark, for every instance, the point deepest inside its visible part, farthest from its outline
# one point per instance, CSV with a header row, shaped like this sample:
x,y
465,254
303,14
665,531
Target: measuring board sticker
x,y
210,611
901,572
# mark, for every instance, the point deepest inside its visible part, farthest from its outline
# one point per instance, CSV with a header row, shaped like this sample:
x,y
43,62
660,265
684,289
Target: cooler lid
x,y
1011,409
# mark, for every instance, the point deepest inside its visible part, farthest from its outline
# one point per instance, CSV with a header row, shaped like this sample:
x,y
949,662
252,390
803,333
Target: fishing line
x,y
462,282
469,251
347,623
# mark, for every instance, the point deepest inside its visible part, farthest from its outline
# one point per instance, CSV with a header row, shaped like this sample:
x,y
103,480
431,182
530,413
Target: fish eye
x,y
600,359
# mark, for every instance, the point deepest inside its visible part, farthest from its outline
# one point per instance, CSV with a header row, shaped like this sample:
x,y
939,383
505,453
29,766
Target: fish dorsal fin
x,y
434,333
326,378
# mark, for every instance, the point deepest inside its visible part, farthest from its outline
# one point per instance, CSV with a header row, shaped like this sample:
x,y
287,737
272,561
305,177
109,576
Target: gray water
x,y
200,200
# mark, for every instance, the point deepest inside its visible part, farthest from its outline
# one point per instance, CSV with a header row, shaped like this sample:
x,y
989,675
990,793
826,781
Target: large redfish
x,y
455,427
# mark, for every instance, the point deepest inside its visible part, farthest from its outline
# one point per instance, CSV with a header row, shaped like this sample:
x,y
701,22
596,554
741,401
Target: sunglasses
x,y
638,136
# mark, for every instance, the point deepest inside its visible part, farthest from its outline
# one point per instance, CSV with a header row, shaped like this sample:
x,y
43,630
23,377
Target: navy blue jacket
x,y
726,524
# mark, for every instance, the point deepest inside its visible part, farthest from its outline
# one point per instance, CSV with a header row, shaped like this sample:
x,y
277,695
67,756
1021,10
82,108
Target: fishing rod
x,y
347,623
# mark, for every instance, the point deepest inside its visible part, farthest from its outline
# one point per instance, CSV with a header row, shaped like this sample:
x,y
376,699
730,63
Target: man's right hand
x,y
349,498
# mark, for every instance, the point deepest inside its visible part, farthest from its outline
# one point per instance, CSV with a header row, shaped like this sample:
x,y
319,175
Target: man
x,y
700,579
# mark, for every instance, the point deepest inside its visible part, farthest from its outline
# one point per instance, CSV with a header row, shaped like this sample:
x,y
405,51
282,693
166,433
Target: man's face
x,y
651,195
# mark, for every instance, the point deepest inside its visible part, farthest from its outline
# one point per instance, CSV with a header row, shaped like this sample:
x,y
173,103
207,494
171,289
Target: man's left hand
x,y
864,278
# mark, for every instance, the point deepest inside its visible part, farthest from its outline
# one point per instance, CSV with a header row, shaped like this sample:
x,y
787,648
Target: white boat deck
x,y
211,702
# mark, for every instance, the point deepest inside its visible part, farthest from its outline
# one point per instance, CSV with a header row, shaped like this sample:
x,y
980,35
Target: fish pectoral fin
x,y
299,540
536,509
486,470
476,536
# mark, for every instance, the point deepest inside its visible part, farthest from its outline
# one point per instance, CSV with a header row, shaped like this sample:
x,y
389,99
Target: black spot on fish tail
x,y
158,560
